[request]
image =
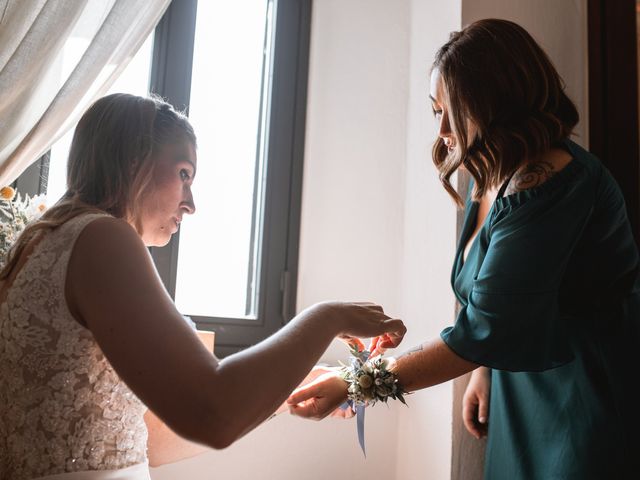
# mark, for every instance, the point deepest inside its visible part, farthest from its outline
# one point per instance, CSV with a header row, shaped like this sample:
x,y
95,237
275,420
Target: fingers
x,y
388,341
394,331
375,348
319,398
475,403
390,331
316,408
352,341
468,418
306,410
373,344
304,393
483,411
377,351
379,344
475,415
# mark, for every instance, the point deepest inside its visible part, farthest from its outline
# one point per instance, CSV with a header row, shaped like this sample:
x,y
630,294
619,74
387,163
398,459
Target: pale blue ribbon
x,y
360,422
359,409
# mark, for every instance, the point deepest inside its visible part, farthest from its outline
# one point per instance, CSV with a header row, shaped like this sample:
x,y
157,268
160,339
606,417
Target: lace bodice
x,y
62,406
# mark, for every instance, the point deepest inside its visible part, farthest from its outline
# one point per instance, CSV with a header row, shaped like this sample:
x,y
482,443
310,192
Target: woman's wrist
x,y
319,317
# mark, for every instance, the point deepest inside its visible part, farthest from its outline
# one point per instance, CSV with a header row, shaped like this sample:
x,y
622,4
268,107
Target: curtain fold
x,y
56,58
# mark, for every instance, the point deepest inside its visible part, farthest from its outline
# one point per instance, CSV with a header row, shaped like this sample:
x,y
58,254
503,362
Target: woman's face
x,y
169,196
441,109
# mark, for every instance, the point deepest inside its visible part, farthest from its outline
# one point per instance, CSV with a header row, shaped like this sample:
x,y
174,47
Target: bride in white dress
x,y
89,338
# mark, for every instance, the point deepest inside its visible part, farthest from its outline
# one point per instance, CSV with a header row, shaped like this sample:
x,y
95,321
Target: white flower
x,y
36,207
15,213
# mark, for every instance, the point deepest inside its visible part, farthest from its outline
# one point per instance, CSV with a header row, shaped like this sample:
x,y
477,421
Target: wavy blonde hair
x,y
110,167
497,77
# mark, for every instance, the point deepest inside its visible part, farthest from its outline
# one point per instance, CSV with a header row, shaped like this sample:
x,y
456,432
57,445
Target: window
x,y
240,71
229,94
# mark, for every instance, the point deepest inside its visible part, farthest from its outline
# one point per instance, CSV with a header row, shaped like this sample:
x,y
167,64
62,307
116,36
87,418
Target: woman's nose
x,y
445,128
189,205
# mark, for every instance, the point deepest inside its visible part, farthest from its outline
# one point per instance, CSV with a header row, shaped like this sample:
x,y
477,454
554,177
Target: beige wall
x,y
560,26
424,438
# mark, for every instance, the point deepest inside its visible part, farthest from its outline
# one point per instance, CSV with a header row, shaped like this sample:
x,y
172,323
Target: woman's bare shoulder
x,y
103,256
108,225
108,244
533,174
107,234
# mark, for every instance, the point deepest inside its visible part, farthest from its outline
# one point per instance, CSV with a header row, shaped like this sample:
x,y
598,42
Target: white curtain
x,y
56,58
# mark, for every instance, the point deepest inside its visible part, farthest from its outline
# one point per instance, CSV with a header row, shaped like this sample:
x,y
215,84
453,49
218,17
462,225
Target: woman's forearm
x,y
429,364
260,378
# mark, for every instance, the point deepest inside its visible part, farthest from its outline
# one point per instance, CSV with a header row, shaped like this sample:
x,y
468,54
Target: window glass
x,y
218,255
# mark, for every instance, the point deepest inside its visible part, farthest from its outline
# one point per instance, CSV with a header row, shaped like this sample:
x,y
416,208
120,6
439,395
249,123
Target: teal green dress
x,y
550,301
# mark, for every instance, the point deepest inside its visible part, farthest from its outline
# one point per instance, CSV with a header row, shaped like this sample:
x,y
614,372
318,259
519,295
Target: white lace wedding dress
x,y
64,413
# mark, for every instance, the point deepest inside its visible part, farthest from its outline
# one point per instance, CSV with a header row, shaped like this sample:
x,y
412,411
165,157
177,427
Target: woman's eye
x,y
436,112
184,175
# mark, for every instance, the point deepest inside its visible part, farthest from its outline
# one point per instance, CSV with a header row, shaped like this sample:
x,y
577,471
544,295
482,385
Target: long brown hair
x,y
497,77
110,165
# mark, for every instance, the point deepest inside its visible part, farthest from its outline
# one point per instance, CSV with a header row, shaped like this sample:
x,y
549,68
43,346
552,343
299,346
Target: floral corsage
x,y
370,380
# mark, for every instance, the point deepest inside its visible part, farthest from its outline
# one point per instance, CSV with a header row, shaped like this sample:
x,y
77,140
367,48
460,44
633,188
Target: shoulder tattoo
x,y
529,176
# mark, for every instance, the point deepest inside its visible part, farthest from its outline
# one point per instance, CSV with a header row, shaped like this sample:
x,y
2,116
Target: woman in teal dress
x,y
546,273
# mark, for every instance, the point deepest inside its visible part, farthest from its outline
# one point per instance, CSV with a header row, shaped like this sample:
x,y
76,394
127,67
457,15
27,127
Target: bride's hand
x,y
357,320
318,371
320,398
379,345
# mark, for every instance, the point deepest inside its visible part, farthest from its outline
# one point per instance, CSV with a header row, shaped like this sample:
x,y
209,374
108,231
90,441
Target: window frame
x,y
171,79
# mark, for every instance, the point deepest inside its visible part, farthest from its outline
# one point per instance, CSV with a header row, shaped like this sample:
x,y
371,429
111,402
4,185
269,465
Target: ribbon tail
x,y
360,422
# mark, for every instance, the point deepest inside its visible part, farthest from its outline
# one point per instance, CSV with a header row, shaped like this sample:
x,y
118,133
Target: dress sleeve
x,y
512,320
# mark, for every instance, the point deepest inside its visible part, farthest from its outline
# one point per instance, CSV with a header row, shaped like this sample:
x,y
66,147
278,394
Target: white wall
x,y
424,440
377,225
353,188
